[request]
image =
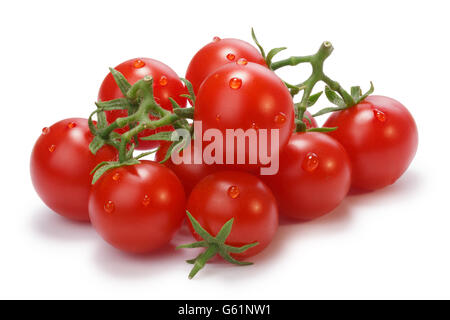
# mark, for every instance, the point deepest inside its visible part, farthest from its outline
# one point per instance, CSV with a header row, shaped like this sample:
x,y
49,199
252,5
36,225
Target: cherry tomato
x,y
166,84
246,96
218,53
137,208
381,139
60,166
239,195
313,178
188,173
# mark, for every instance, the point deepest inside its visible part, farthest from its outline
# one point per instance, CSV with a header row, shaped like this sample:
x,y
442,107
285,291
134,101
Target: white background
x,y
393,243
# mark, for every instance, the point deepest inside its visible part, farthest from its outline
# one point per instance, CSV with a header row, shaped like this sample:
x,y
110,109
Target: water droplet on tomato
x,y
45,130
233,192
235,83
146,200
242,61
163,81
255,126
109,206
231,57
215,39
280,118
51,148
379,115
71,125
218,117
311,162
116,176
138,63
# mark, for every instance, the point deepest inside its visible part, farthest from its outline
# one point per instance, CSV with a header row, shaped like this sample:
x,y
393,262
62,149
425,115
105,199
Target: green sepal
x,y
115,104
96,144
322,129
328,110
163,135
214,245
334,98
368,93
190,88
187,113
272,53
105,166
258,45
121,81
356,92
314,98
175,104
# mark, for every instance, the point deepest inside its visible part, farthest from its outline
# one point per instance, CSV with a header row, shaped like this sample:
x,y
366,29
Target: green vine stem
x,y
317,61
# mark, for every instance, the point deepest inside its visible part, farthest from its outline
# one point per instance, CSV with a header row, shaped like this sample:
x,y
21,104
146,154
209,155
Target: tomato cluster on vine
x,y
87,170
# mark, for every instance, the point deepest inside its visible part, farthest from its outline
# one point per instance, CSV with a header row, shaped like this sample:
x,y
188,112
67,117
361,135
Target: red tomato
x,y
381,138
137,208
313,178
188,173
246,96
239,195
166,84
218,53
61,163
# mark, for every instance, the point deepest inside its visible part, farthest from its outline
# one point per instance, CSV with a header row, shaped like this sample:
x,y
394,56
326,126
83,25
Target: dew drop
x,y
218,117
235,83
215,39
138,63
255,126
379,115
231,57
233,192
163,81
146,200
71,125
51,148
280,118
45,130
311,162
109,206
116,176
242,61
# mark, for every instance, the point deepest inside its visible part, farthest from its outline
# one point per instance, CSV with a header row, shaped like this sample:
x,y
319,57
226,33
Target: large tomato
x,y
166,84
189,173
218,53
137,208
239,195
60,166
246,96
381,138
313,178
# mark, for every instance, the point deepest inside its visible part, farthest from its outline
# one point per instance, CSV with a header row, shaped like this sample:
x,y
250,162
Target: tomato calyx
x,y
139,102
356,94
214,245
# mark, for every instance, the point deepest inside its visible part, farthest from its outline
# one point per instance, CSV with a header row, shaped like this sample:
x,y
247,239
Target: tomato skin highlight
x,y
314,176
261,102
137,208
253,208
218,53
60,167
166,84
380,136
